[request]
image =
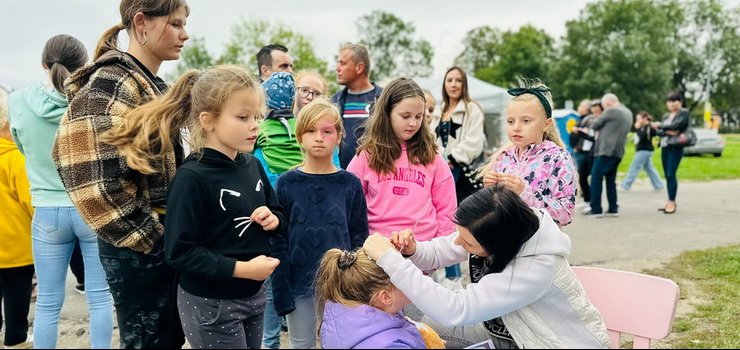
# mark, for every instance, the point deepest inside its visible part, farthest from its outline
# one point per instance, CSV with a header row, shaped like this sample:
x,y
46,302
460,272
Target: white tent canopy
x,y
492,98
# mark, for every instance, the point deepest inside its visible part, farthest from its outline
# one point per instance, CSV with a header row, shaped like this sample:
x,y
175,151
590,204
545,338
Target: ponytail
x,y
58,73
145,135
62,55
349,278
109,40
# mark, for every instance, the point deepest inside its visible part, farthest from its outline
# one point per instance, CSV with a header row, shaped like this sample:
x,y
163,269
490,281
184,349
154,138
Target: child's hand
x,y
404,241
376,245
265,218
257,269
510,181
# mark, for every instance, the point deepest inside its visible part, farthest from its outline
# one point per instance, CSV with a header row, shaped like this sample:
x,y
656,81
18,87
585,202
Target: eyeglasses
x,y
305,92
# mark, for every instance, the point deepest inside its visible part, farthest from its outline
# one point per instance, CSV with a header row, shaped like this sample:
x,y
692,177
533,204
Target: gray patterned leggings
x,y
222,324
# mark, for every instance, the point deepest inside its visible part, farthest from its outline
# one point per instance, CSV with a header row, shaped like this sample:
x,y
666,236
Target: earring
x,y
142,44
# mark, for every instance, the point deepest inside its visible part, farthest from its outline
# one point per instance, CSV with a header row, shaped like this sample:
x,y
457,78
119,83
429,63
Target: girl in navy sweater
x,y
221,212
325,208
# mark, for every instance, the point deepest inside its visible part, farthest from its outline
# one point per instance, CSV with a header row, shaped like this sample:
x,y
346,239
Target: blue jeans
x,y
55,231
671,157
605,168
273,322
642,160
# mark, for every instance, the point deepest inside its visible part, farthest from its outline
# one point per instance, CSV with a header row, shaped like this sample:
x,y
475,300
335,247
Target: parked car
x,y
707,141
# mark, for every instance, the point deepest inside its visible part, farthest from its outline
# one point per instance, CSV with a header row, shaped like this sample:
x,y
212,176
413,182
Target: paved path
x,y
708,216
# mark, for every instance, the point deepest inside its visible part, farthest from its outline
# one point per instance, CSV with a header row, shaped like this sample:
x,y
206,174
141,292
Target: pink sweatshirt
x,y
415,193
549,177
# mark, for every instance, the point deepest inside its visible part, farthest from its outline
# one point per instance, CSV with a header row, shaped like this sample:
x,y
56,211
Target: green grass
x,y
713,277
696,168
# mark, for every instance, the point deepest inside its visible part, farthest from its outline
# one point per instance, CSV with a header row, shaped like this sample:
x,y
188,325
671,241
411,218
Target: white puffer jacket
x,y
538,296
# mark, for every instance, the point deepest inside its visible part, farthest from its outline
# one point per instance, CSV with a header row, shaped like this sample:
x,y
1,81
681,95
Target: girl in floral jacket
x,y
535,164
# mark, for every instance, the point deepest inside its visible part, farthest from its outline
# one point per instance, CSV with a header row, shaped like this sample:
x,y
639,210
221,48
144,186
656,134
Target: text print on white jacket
x,y
537,294
468,141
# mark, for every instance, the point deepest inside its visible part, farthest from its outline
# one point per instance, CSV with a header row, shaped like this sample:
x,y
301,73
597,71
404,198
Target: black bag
x,y
683,139
469,182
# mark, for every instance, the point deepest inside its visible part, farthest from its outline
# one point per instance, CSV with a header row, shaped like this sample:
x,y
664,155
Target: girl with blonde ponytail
x,y
362,308
535,164
120,192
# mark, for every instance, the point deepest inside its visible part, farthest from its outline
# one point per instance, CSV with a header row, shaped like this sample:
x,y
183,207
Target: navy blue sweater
x,y
323,212
206,231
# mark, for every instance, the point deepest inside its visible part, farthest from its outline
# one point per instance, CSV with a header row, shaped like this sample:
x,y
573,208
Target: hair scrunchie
x,y
346,259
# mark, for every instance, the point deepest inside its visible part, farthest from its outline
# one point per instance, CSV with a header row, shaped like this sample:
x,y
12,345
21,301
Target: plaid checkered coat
x,y
114,200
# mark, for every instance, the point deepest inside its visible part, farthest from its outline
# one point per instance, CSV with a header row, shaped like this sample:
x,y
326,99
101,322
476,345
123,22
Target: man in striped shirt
x,y
356,99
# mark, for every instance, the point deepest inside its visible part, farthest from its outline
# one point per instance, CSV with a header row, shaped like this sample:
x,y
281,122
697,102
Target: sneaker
x,y
612,215
589,214
658,190
23,345
622,189
583,205
586,210
80,288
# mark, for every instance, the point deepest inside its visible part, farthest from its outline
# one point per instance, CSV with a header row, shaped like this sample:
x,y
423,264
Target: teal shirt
x,y
34,115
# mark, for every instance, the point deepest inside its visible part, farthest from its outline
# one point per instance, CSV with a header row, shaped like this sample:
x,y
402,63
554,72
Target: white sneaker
x,y
586,210
582,205
23,345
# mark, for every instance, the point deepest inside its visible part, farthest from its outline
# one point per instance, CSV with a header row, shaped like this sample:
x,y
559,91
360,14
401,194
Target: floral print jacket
x,y
549,175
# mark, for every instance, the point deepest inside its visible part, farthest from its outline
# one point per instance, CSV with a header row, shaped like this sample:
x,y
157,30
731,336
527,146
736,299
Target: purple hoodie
x,y
365,327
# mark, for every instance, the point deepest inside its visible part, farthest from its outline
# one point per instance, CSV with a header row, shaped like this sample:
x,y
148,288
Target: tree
x,y
708,60
481,49
247,37
619,46
393,50
527,52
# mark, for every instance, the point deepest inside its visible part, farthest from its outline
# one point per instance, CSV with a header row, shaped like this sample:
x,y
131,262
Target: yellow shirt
x,y
15,208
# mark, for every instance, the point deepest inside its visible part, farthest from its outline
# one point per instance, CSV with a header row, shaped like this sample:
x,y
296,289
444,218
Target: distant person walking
x,y
644,133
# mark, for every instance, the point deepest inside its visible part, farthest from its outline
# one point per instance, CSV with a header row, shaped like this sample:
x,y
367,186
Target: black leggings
x,y
15,293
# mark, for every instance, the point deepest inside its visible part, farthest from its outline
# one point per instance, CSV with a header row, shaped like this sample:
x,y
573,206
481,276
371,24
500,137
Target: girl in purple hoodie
x,y
361,307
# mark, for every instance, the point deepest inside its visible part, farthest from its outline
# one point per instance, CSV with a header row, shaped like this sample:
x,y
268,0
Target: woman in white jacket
x,y
524,293
458,127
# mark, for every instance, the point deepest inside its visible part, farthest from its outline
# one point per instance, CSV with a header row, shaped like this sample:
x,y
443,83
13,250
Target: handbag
x,y
685,138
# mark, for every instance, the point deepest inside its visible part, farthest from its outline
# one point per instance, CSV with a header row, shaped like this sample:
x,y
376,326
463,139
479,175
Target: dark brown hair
x,y
128,9
464,95
63,54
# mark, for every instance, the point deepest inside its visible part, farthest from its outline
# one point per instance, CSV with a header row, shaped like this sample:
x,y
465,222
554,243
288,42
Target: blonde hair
x,y
551,132
310,115
349,278
379,140
145,135
3,109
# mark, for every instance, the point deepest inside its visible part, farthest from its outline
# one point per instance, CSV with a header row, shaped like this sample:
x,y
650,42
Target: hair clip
x,y
346,259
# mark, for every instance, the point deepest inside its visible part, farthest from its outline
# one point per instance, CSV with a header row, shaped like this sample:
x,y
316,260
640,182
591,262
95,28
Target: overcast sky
x,y
25,25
